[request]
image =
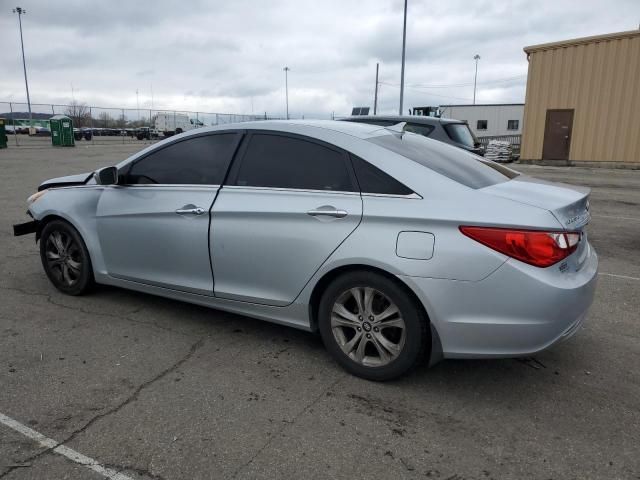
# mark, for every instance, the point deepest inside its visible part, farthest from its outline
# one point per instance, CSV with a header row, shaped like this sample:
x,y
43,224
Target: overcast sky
x,y
228,56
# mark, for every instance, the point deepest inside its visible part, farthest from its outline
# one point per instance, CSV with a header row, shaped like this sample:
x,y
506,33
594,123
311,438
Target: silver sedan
x,y
393,246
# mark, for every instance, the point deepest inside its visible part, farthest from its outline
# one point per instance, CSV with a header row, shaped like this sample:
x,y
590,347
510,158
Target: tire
x,y
65,258
178,131
395,340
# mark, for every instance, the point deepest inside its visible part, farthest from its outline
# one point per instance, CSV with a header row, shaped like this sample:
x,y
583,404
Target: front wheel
x,y
65,258
372,326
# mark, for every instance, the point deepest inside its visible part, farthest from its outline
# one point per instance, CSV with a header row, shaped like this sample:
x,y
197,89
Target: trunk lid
x,y
568,203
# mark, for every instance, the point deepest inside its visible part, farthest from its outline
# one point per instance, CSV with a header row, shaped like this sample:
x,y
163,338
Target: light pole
x,y
20,11
475,78
138,104
286,88
375,95
404,44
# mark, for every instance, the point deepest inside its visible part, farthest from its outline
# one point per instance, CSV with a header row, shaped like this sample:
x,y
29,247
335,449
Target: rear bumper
x,y
516,311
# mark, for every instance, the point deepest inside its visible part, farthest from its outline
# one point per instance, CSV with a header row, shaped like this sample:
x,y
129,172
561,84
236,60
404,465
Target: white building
x,y
488,120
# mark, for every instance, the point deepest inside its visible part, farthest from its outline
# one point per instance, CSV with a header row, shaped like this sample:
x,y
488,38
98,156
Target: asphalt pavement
x,y
157,389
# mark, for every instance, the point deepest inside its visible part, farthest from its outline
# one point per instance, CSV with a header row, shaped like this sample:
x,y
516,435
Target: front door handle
x,y
327,211
190,210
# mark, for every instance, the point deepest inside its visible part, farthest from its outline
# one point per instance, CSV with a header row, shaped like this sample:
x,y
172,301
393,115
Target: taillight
x,y
538,248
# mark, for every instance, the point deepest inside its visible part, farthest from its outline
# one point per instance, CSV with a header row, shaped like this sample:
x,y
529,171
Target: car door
x,y
289,203
154,228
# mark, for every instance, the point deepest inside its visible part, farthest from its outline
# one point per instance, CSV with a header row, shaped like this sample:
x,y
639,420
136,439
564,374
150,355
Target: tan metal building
x,y
583,101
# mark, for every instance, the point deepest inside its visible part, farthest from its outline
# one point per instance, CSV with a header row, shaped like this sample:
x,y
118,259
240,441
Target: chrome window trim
x,y
153,185
411,196
281,189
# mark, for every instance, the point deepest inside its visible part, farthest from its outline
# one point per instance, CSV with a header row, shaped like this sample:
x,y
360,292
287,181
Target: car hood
x,y
568,203
68,181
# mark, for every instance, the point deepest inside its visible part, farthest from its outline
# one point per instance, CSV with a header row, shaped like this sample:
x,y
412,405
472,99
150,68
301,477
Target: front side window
x,y
481,125
194,161
512,124
278,161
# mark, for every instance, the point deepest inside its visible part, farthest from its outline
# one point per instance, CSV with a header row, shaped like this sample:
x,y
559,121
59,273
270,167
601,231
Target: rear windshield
x,y
454,163
460,133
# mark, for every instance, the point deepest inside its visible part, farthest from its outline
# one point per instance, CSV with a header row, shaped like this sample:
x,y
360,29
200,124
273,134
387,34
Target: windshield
x,y
452,162
460,133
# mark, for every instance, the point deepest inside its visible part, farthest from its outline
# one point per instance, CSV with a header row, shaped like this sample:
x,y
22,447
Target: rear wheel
x,y
372,326
65,258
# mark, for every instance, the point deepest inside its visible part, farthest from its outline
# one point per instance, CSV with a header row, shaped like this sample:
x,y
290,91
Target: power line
x,y
429,93
453,85
488,82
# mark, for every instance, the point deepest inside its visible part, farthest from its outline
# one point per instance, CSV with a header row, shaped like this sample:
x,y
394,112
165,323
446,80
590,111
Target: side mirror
x,y
107,176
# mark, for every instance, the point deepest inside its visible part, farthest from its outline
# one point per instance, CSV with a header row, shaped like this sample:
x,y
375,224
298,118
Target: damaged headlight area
x,y
35,197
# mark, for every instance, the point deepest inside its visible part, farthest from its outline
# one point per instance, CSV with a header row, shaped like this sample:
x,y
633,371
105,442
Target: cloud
x,y
228,56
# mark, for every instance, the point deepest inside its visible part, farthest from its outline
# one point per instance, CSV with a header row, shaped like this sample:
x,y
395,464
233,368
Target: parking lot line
x,y
626,277
67,452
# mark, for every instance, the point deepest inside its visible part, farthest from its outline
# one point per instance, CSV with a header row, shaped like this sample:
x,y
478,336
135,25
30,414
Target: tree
x,y
104,119
79,113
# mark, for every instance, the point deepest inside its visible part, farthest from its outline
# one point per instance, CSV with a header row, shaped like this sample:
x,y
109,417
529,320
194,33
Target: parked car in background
x,y
42,132
392,246
447,130
145,133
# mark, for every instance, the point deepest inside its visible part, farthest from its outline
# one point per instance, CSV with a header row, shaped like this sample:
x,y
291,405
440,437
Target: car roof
x,y
422,119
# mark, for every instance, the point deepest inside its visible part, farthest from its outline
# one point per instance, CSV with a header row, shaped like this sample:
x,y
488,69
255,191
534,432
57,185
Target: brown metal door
x,y
557,135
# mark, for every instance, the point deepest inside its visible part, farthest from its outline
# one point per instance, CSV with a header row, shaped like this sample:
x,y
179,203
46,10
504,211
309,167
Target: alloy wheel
x,y
64,257
368,326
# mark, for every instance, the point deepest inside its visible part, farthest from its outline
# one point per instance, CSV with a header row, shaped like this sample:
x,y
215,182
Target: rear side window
x,y
424,130
454,163
195,161
286,162
460,133
374,180
381,123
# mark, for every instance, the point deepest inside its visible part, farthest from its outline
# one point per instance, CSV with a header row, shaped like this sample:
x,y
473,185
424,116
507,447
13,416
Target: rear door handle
x,y
190,210
327,211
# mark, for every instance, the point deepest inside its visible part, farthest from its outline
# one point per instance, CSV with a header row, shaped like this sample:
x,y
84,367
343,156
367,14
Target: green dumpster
x,y
3,133
61,131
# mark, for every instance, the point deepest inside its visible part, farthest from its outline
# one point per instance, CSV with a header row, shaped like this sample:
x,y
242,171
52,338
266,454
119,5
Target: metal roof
x,y
485,105
582,41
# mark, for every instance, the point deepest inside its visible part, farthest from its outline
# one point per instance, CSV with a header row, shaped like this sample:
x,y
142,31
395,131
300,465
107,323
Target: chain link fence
x,y
106,125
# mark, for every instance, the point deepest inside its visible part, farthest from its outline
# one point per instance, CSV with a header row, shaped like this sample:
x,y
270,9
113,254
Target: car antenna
x,y
397,129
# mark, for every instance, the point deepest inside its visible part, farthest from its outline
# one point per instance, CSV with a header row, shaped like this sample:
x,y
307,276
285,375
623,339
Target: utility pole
x,y
138,104
404,45
20,11
375,96
286,88
475,78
